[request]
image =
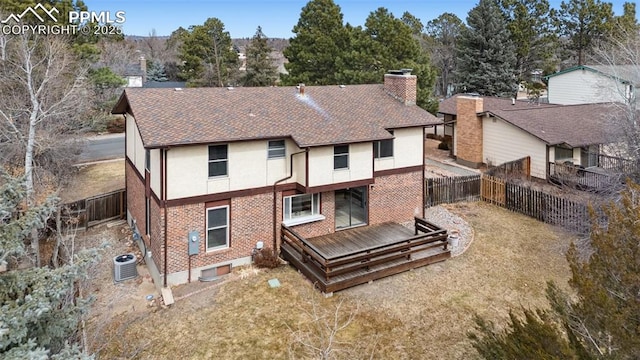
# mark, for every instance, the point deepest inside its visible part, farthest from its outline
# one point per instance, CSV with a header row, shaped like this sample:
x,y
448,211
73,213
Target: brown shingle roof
x,y
574,125
324,115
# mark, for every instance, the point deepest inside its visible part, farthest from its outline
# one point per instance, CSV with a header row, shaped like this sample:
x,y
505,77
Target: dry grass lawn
x,y
95,179
421,314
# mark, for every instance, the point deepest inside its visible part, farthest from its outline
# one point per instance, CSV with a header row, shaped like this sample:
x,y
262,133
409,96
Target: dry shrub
x,y
266,258
115,124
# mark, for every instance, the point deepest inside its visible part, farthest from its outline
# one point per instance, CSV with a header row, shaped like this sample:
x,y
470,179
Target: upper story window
x,y
276,149
341,157
218,160
218,228
383,148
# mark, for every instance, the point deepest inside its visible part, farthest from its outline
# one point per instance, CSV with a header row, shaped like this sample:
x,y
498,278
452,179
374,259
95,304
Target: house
x,y
214,174
492,131
136,74
587,84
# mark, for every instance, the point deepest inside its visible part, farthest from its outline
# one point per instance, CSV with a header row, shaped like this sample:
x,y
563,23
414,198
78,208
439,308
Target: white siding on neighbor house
x,y
321,170
134,81
407,150
503,142
134,148
155,172
248,167
583,87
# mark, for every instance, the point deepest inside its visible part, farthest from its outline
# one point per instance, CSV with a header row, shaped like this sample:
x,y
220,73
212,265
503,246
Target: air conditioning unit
x,y
124,267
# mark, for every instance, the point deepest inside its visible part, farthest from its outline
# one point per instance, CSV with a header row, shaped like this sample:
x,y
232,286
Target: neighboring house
x,y
165,84
136,74
588,84
491,131
212,173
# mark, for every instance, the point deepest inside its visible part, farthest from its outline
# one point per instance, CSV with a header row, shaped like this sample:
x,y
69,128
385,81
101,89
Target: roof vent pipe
x,y
513,101
301,89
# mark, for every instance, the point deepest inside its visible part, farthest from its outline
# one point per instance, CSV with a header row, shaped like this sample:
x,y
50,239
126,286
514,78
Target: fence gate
x,y
451,190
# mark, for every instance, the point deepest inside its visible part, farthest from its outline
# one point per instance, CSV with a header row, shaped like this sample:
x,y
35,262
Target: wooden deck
x,y
351,257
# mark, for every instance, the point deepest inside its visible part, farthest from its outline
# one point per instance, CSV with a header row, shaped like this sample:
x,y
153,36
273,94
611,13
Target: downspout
x,y
424,155
164,205
275,202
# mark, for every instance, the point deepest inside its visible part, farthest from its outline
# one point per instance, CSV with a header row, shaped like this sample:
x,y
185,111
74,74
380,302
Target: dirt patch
x,y
425,311
95,179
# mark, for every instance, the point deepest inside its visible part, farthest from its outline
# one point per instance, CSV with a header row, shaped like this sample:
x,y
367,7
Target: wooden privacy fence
x,y
96,209
542,206
520,168
452,189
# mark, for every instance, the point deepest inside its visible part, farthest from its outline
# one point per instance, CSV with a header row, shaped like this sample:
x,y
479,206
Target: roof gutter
x,y
275,198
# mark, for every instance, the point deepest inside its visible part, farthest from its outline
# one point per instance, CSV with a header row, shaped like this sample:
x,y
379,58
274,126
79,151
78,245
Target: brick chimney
x,y
401,85
469,131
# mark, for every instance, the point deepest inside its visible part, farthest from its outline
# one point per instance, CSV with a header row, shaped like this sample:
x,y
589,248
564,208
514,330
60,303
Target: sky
x,y
277,18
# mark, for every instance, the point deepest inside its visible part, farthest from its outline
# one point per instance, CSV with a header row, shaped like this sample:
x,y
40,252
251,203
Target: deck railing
x,y
427,236
581,178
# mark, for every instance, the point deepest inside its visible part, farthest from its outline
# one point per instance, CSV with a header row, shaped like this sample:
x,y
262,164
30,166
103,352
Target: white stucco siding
x,y
187,172
248,167
134,148
407,150
503,142
155,171
321,170
584,86
279,168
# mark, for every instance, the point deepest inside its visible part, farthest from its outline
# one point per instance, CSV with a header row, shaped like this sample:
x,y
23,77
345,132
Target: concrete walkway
x,y
456,169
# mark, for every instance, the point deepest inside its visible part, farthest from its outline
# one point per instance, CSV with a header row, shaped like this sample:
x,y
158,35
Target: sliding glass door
x,y
351,207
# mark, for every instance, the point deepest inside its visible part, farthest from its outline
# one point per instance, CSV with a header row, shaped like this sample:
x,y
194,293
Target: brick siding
x,y
469,131
324,227
396,198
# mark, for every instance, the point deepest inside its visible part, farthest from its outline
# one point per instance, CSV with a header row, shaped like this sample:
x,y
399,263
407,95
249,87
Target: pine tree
x,y
39,312
319,47
207,55
261,71
585,23
156,72
529,24
486,53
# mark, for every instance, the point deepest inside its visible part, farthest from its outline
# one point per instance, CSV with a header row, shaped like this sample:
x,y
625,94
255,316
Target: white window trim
x,y
206,244
302,219
284,147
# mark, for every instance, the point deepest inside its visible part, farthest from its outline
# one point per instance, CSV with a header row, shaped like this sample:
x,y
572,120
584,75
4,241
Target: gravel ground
x,y
451,222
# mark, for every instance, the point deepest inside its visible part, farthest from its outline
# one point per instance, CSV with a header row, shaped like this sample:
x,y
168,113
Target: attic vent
x,y
342,86
230,88
177,89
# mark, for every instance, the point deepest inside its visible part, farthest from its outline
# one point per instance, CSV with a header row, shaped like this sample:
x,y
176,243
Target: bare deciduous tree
x,y
47,97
